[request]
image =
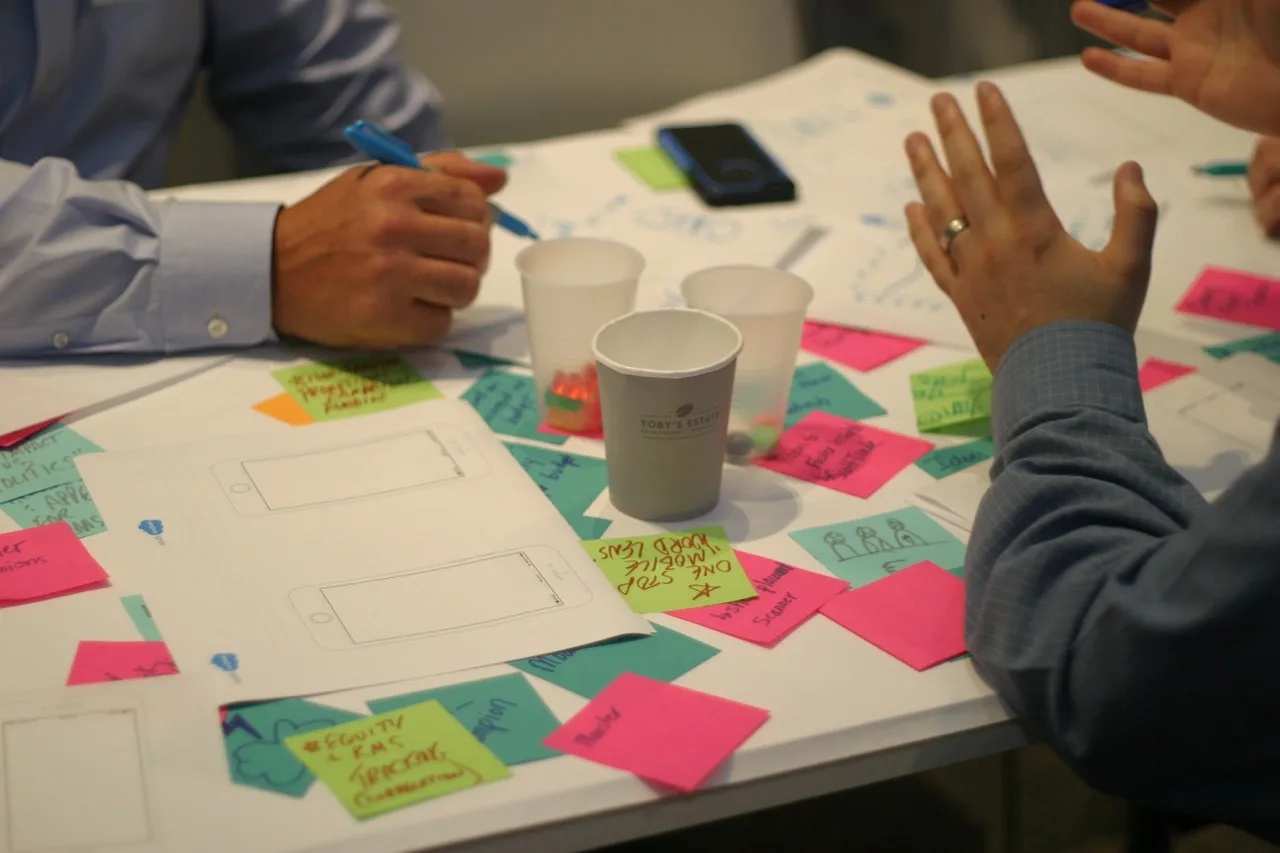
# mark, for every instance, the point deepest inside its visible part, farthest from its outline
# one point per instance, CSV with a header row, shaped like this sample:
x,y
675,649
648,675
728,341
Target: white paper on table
x,y
36,391
352,553
125,767
956,498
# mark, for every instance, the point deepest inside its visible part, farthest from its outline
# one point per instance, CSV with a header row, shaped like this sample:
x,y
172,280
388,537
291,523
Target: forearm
x,y
1107,603
96,267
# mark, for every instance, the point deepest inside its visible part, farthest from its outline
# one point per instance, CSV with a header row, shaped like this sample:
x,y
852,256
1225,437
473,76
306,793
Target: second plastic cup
x,y
572,287
768,307
666,381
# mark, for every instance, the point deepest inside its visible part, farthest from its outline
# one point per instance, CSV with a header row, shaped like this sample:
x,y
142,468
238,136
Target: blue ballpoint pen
x,y
374,142
1126,5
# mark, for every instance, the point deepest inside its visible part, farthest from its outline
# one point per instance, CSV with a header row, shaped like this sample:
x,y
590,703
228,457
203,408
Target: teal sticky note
x,y
818,387
43,462
501,159
570,481
867,549
256,753
946,461
508,404
69,502
138,611
664,655
504,713
1267,346
472,360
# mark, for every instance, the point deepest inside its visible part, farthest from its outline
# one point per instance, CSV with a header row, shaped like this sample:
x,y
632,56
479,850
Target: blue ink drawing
x,y
151,526
880,99
235,722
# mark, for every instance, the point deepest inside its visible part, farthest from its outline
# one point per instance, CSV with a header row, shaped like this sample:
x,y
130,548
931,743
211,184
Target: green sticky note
x,y
378,764
138,611
255,735
570,481
1267,346
495,158
508,404
946,461
69,502
664,655
818,387
953,399
871,548
504,713
472,360
673,571
355,385
653,167
45,461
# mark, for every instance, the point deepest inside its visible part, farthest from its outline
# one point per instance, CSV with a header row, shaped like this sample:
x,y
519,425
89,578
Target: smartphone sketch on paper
x,y
472,593
396,463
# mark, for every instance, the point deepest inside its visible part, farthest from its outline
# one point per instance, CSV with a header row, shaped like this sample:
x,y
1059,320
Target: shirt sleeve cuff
x,y
214,275
1066,366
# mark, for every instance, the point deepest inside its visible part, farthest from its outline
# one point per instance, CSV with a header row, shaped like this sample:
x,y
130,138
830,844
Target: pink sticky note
x,y
1237,297
44,561
597,434
916,614
1155,372
844,455
97,662
670,735
788,597
18,436
860,349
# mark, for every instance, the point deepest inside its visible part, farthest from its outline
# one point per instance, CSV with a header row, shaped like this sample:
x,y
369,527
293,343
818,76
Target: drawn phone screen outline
x,y
1245,390
59,711
319,610
249,497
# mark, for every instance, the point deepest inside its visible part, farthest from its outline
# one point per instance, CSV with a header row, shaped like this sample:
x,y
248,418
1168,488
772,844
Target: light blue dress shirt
x,y
91,96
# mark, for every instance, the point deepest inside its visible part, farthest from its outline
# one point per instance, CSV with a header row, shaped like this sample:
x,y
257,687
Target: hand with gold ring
x,y
990,239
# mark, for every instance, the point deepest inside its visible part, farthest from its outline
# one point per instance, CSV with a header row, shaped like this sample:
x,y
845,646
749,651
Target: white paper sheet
x,y
353,553
35,391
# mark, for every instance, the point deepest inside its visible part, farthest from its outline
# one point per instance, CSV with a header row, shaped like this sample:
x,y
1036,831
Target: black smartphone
x,y
726,165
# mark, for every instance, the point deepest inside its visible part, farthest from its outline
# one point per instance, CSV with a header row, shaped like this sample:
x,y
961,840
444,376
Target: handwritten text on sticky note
x,y
946,461
377,764
509,405
1237,297
256,753
666,734
844,455
45,561
871,548
570,481
857,348
671,571
70,502
45,461
355,385
955,398
97,662
819,388
788,598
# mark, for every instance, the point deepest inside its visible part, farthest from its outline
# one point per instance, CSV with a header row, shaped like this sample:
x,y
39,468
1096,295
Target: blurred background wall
x,y
513,70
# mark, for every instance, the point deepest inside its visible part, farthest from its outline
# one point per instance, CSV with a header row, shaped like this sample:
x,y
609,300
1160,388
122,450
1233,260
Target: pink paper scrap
x,y
97,662
666,734
1234,296
1156,372
10,439
844,455
915,614
860,349
788,598
45,561
597,434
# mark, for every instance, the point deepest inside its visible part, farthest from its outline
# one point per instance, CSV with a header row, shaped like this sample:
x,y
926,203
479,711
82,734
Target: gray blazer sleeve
x,y
1132,627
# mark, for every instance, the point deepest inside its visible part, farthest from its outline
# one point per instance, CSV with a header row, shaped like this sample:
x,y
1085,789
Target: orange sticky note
x,y
284,408
97,662
45,561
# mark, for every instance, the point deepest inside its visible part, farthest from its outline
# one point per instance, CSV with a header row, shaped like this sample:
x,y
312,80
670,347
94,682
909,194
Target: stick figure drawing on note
x,y
904,537
871,540
839,546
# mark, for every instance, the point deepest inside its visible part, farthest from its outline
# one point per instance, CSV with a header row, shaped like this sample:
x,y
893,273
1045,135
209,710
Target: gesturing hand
x,y
380,256
1220,56
1015,267
1264,183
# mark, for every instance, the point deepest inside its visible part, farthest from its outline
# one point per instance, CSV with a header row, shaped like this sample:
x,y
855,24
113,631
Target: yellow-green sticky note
x,y
355,385
673,571
653,167
954,399
374,765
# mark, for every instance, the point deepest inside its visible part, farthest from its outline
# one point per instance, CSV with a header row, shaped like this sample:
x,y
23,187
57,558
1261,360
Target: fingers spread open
x,y
940,202
1144,35
1146,75
925,238
1016,173
971,179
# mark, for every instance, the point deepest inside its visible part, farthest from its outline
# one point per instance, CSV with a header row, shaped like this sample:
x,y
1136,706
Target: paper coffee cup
x,y
666,386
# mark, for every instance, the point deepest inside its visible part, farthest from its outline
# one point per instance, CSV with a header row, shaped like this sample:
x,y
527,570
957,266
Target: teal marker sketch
x,y
865,550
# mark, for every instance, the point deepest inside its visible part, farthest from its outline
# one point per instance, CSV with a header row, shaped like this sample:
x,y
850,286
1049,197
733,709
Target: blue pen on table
x,y
1126,5
1223,169
374,142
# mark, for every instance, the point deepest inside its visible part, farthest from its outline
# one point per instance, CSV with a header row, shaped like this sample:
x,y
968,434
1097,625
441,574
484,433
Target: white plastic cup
x,y
768,307
666,385
572,287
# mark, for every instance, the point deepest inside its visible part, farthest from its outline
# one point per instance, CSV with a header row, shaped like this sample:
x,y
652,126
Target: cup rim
x,y
667,374
805,285
636,256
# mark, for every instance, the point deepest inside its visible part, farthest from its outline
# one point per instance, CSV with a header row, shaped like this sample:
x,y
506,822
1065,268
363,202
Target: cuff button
x,y
218,328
